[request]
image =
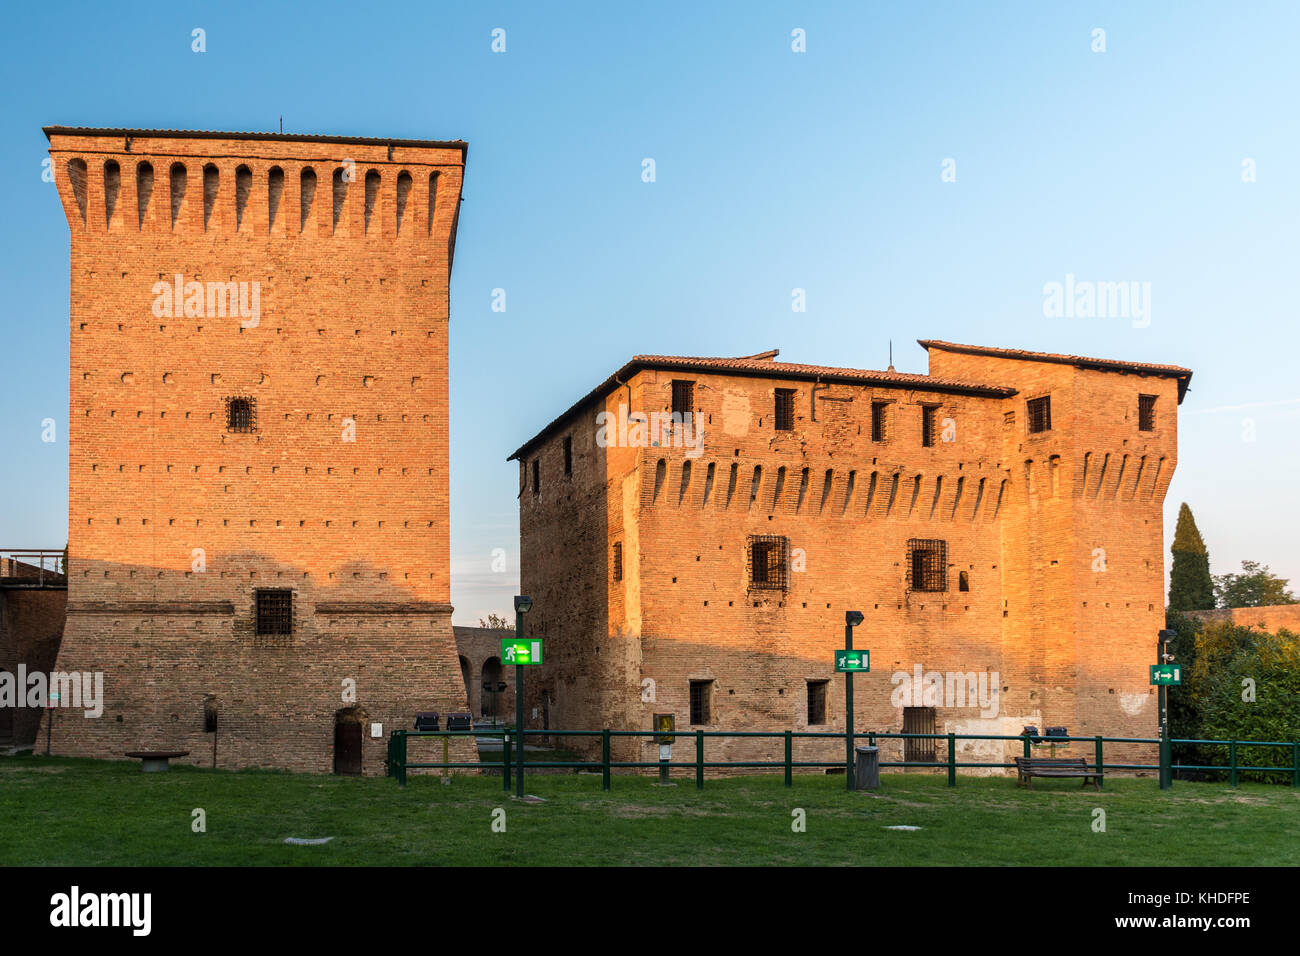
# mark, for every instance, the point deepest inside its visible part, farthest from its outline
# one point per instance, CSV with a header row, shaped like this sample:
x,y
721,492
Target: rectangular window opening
x,y
784,409
1146,413
878,413
1039,413
927,564
701,702
274,611
817,701
769,562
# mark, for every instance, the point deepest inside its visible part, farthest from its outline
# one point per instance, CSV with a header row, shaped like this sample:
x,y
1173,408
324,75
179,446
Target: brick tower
x,y
258,445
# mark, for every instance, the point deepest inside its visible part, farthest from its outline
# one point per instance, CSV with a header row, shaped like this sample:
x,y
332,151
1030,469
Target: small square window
x,y
1039,413
927,564
241,414
274,611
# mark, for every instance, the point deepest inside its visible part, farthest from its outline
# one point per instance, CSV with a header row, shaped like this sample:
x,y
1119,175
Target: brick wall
x,y
339,493
1068,629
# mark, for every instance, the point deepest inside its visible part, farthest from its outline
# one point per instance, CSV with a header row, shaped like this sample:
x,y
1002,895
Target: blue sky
x,y
775,170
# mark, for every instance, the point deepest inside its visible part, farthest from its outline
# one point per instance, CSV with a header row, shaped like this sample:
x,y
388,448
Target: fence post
x,y
1295,765
1026,746
401,757
604,758
952,760
699,760
1101,765
1232,763
789,758
506,762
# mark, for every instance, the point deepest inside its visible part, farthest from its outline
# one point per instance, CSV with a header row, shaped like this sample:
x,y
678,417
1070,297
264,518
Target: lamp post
x,y
522,606
851,620
1163,640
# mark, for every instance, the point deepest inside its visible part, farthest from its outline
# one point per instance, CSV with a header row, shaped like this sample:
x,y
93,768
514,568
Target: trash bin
x,y
868,768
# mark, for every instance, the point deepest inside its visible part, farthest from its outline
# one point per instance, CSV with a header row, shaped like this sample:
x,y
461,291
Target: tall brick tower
x,y
258,445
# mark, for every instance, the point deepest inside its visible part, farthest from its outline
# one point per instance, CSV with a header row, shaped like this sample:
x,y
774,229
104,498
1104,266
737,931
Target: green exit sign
x,y
851,661
514,651
1166,674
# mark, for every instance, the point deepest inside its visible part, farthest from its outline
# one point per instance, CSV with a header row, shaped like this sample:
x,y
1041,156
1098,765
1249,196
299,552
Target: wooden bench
x,y
155,761
1030,767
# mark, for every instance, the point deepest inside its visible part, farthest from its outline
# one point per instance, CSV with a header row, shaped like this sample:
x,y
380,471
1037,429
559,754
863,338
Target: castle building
x,y
258,527
693,530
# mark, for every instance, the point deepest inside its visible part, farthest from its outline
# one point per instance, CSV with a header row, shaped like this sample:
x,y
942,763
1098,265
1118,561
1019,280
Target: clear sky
x,y
775,170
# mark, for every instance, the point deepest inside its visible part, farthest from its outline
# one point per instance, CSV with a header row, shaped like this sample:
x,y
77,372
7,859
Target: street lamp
x,y
523,605
851,620
1164,640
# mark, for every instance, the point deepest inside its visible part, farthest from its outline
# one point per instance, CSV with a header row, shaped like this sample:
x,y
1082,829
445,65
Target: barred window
x,y
918,720
927,564
701,702
241,414
817,701
683,399
274,611
784,409
878,412
1147,413
929,415
618,560
769,562
1039,412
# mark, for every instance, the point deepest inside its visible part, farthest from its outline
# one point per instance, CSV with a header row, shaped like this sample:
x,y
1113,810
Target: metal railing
x,y
32,568
398,764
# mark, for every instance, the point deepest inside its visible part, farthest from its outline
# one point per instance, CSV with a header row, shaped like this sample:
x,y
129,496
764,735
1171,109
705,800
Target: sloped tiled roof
x,y
1184,375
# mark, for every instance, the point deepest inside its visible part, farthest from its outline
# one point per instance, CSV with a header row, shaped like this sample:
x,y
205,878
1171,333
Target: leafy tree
x,y
498,622
1190,585
1251,696
1256,586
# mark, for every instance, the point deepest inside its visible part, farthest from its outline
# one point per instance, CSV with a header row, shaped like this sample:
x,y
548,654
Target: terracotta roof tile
x,y
1184,375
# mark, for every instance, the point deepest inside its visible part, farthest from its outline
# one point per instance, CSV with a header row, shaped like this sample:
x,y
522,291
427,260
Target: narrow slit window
x,y
568,456
618,560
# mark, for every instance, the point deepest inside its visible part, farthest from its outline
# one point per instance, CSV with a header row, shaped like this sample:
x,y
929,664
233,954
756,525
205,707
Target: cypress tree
x,y
1190,585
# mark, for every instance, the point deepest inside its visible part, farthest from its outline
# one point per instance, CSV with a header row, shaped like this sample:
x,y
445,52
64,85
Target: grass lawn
x,y
60,811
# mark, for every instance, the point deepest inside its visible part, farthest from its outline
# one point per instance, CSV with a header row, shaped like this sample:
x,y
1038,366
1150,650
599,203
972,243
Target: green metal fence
x,y
398,764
